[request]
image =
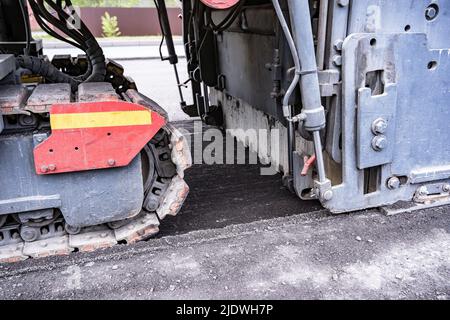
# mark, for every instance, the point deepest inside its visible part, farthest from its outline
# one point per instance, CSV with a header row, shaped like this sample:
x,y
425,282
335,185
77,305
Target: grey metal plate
x,y
45,95
371,108
7,65
13,98
422,115
383,16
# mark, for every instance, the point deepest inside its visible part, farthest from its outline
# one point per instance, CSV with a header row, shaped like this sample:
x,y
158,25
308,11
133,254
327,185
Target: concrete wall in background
x,y
132,21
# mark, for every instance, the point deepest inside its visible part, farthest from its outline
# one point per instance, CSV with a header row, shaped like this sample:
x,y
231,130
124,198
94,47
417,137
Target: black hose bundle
x,y
46,70
78,36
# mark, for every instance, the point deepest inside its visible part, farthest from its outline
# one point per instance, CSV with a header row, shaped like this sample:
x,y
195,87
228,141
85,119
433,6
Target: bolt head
x,y
343,3
52,167
337,60
423,191
379,143
431,13
44,169
338,45
328,195
379,126
111,162
393,183
446,188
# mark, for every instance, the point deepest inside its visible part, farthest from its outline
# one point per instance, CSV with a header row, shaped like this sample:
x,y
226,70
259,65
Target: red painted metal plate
x,y
97,135
220,4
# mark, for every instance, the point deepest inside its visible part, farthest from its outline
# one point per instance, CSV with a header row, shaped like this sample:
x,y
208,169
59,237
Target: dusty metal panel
x,y
375,16
45,95
13,98
421,120
375,148
254,60
7,65
96,91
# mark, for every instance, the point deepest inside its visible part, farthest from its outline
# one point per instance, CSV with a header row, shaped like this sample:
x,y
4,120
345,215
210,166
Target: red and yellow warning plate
x,y
95,135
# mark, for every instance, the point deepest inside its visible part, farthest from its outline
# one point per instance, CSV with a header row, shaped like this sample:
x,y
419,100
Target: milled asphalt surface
x,y
310,256
243,236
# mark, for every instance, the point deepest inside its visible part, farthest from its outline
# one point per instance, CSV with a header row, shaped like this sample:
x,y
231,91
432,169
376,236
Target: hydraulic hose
x,y
287,97
46,70
313,113
287,109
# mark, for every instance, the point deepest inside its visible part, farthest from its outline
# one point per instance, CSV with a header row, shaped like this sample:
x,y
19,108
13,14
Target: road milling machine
x,y
358,91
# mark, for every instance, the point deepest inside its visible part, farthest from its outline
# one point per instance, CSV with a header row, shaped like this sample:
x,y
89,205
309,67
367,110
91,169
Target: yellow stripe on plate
x,y
100,119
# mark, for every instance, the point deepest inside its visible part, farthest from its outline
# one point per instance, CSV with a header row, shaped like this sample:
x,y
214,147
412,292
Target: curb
x,y
142,58
110,43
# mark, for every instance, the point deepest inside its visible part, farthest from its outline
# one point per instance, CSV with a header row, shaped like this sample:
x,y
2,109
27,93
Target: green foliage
x,y
110,26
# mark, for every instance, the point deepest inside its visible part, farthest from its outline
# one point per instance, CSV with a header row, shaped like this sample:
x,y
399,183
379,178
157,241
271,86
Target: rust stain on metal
x,y
139,228
45,95
181,153
12,99
174,198
96,91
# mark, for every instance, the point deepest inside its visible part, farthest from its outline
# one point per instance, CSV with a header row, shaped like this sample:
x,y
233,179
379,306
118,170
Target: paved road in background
x,y
127,52
156,79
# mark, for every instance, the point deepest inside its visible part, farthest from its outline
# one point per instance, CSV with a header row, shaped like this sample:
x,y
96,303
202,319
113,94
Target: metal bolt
x,y
39,139
44,169
393,183
423,191
328,195
52,167
337,60
446,188
343,3
430,13
111,162
338,44
27,120
379,126
379,143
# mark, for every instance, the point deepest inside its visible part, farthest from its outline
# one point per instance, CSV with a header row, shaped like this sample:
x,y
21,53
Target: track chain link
x,y
139,228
